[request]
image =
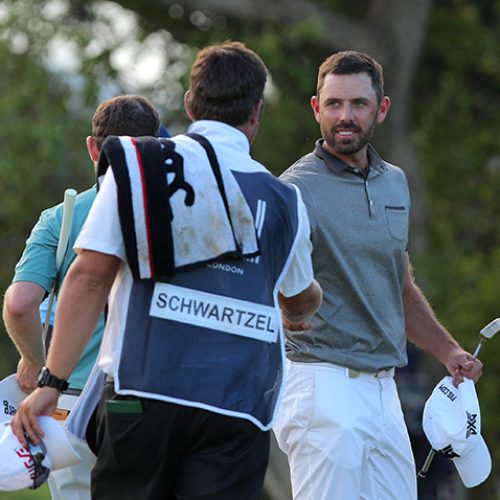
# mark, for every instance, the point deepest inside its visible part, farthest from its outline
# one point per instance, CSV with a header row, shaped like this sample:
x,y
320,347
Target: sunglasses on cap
x,y
38,452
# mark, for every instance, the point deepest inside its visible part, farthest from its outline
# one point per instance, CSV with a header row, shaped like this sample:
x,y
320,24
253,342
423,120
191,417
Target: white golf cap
x,y
17,467
452,424
10,397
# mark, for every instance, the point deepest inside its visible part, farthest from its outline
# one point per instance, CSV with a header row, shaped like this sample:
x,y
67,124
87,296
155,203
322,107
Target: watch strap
x,y
47,379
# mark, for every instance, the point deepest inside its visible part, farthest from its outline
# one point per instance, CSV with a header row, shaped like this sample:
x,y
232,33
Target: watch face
x,y
42,376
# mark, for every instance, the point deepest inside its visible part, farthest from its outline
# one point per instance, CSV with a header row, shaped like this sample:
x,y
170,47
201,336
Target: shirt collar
x,y
222,133
232,145
338,166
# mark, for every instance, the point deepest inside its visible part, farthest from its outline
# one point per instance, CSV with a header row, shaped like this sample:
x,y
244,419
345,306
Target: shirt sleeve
x,y
38,261
102,230
300,273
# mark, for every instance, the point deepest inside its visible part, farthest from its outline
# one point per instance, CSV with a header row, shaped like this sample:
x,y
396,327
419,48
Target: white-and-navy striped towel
x,y
176,212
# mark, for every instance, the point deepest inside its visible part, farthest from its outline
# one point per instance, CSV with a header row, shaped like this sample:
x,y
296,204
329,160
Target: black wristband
x,y
46,379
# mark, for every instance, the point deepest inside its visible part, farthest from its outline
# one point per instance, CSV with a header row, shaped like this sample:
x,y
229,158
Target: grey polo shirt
x,y
359,230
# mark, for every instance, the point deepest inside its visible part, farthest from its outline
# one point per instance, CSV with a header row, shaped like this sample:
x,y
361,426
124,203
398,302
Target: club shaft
x,y
478,348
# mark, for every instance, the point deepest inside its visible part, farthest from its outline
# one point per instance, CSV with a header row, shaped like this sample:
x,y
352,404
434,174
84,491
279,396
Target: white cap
x,y
16,464
452,424
10,397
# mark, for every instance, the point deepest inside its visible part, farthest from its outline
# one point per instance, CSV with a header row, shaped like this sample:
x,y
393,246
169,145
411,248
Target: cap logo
x,y
8,409
448,452
471,424
28,463
447,392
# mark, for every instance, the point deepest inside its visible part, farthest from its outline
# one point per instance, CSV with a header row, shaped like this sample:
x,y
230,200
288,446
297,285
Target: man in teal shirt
x,y
36,272
33,278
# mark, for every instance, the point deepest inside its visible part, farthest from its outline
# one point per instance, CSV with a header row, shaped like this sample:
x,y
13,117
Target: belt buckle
x,y
383,373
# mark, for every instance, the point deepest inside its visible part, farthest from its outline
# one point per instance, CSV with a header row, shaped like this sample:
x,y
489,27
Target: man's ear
x,y
383,108
315,107
187,104
92,148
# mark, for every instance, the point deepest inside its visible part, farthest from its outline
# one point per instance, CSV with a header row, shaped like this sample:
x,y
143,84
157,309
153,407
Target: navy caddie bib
x,y
211,337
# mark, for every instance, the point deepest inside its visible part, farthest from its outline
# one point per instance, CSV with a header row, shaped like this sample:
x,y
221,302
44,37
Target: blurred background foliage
x,y
59,59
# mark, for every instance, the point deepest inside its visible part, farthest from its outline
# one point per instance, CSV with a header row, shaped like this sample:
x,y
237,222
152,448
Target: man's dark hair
x,y
125,115
226,82
350,62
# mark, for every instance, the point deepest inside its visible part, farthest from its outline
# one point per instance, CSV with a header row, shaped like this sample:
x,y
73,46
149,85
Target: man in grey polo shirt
x,y
341,423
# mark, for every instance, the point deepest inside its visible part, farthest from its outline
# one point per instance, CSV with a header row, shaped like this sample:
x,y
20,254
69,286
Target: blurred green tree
x,y
442,69
41,148
456,103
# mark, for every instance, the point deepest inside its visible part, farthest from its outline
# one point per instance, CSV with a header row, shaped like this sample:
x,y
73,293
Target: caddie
x,y
193,352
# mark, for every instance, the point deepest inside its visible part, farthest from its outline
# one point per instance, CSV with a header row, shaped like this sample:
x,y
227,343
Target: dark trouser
x,y
150,450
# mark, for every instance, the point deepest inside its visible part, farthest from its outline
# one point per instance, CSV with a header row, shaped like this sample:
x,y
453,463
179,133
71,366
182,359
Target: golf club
x,y
62,244
485,334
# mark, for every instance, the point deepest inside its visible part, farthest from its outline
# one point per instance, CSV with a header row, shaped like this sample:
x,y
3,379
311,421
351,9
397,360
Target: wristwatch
x,y
46,379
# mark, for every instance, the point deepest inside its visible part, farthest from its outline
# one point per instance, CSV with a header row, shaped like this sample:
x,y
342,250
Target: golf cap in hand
x,y
452,424
29,468
10,397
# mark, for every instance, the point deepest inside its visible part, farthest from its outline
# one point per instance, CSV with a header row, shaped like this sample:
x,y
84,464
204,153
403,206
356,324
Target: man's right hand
x,y
296,327
296,308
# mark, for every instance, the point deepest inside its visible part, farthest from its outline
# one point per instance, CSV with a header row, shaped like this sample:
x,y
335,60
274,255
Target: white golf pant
x,y
73,483
344,435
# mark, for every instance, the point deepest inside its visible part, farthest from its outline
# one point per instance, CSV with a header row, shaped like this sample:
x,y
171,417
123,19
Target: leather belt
x,y
382,373
353,373
348,372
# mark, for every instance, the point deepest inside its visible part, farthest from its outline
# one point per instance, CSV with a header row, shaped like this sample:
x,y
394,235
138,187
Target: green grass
x,y
41,493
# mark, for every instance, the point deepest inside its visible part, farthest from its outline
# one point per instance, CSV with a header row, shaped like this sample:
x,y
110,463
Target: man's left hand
x,y
462,364
26,374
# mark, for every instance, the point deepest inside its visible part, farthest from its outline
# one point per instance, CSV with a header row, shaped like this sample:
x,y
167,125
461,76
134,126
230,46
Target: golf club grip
x,y
425,468
67,219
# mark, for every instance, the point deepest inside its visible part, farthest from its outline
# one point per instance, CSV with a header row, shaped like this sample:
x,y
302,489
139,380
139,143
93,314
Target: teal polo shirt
x,y
38,265
359,229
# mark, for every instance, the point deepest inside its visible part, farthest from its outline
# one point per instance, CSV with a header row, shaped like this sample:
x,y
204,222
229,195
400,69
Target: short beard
x,y
348,146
